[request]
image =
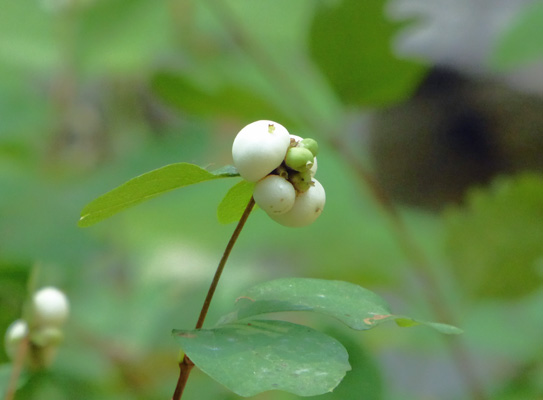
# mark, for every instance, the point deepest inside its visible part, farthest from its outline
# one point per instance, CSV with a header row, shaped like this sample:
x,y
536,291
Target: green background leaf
x,y
234,203
522,42
253,357
495,242
178,90
145,187
350,41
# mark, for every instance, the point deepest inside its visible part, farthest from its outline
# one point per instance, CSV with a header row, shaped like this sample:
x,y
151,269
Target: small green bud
x,y
311,145
299,159
301,181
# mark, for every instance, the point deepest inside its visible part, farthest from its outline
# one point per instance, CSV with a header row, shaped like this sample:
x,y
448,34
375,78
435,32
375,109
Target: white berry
x,y
50,307
259,148
307,207
14,334
274,194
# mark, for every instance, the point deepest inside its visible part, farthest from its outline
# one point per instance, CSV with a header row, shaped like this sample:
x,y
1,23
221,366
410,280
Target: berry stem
x,y
186,364
17,368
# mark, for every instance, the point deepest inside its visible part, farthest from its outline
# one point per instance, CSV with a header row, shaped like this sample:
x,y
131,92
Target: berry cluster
x,y
283,167
47,313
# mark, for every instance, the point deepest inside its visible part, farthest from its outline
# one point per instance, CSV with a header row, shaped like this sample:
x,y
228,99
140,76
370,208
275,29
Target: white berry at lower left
x,y
274,194
307,207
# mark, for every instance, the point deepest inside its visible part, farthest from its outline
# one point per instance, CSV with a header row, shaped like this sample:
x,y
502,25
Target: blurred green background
x,y
95,92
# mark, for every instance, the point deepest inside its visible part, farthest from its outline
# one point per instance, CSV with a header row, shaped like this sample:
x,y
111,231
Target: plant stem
x,y
20,356
186,364
420,265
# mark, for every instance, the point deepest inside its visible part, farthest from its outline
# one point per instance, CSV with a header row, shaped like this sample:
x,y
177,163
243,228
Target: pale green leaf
x,y
355,306
234,203
256,356
147,186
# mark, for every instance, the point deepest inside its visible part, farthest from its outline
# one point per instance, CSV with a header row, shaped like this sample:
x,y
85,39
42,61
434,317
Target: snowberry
x,y
259,148
50,307
14,334
307,207
274,194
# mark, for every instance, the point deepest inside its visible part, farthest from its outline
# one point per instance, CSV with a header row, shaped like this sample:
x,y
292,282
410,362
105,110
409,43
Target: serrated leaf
x,y
523,41
350,41
494,242
257,356
234,203
355,306
145,187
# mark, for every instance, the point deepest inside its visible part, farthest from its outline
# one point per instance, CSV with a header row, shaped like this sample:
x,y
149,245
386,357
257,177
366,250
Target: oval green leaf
x,y
234,203
148,186
257,356
355,306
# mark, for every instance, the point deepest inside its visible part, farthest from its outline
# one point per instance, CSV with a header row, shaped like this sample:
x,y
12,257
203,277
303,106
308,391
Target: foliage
x,y
521,43
494,242
101,91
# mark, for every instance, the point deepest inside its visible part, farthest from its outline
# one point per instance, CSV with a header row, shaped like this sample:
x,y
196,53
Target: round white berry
x,y
50,307
307,207
259,148
14,334
274,194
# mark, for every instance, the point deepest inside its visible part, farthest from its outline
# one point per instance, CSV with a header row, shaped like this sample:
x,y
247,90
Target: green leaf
x,y
234,203
407,322
494,242
179,91
365,376
350,42
122,36
353,305
148,186
253,357
522,42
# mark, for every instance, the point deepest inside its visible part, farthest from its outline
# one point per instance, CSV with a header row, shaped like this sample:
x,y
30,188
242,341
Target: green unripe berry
x,y
299,159
311,145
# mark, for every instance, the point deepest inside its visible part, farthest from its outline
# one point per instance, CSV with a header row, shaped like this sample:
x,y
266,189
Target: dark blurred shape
x,y
455,132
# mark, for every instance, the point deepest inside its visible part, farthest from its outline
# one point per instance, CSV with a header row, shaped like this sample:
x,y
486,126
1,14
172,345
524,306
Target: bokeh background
x,y
429,116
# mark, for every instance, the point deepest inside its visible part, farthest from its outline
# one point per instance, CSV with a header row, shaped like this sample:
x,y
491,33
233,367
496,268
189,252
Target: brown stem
x,y
20,356
419,262
185,366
